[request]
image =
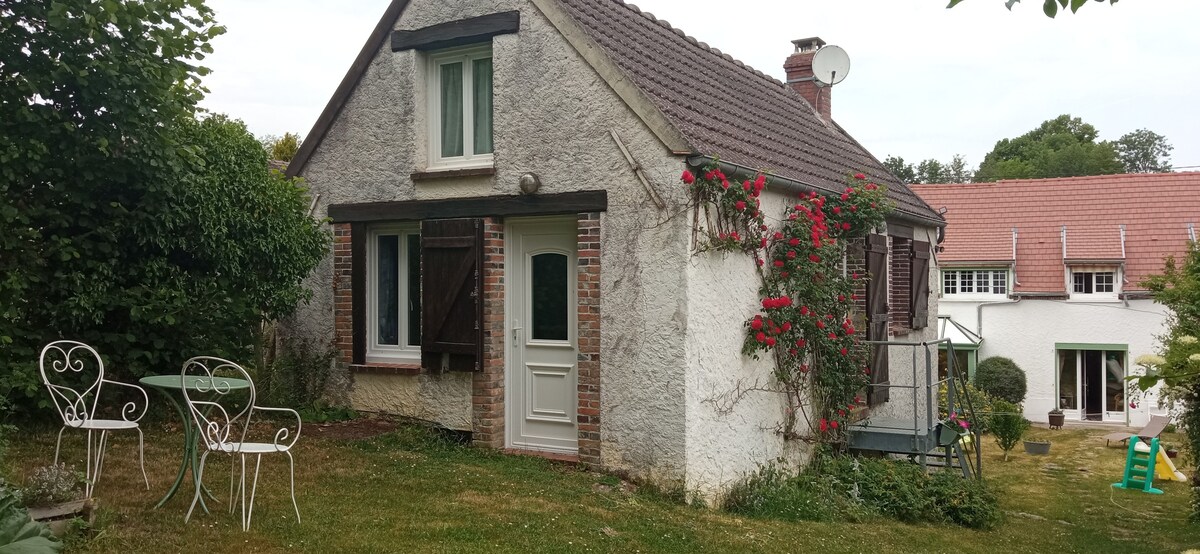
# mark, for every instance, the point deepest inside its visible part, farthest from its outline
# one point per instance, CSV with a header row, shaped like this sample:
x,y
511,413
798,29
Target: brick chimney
x,y
800,75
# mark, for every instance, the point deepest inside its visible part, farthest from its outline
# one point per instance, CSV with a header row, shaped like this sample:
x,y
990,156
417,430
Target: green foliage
x,y
1060,147
1178,368
1001,378
1144,151
18,533
854,489
1008,425
903,171
53,484
1049,7
982,404
282,148
931,171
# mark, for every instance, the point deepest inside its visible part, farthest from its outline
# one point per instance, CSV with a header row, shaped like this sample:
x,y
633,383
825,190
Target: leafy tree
x,y
903,171
1001,378
958,171
1007,425
1178,368
124,221
1144,151
1060,147
282,148
1049,7
932,171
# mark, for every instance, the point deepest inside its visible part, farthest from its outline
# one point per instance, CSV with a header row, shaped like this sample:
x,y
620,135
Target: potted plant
x,y
1039,448
1170,451
54,495
1057,418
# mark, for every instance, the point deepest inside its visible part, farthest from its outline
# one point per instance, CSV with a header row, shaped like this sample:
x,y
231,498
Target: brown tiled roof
x,y
1155,208
726,109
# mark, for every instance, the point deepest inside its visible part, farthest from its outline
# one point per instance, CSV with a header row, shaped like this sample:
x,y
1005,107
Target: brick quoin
x,y
343,270
487,385
588,411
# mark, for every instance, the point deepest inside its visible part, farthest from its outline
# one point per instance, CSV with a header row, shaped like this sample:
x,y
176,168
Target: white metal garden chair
x,y
223,416
74,374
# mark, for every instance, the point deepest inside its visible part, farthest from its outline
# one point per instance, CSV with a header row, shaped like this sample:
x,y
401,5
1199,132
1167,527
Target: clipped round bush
x,y
1001,378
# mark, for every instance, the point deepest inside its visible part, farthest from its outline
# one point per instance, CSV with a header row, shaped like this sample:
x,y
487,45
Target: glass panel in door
x,y
549,296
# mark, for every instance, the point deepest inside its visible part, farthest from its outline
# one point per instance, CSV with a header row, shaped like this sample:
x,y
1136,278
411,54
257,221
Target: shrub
x,y
853,489
296,378
1008,425
53,484
981,402
1001,378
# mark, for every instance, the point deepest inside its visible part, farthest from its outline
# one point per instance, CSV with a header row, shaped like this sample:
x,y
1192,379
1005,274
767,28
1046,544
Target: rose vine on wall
x,y
806,324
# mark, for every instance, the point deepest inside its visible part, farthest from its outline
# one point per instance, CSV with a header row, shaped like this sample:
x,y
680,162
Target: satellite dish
x,y
830,65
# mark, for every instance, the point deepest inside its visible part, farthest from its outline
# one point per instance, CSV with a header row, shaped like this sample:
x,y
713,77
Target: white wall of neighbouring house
x,y
553,117
1028,330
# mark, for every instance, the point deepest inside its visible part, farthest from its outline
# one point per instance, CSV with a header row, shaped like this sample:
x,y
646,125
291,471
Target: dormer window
x,y
1093,282
958,283
460,107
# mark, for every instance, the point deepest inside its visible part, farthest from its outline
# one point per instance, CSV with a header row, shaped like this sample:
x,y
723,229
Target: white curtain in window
x,y
452,110
482,81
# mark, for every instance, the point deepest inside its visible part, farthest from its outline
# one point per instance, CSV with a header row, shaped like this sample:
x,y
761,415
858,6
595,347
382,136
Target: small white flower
x,y
1194,357
1187,339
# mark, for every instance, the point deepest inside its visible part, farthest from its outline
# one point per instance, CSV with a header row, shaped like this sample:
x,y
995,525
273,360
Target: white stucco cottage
x,y
1048,272
514,252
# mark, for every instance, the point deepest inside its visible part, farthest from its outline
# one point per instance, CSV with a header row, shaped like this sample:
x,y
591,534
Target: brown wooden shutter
x,y
918,304
358,293
877,316
452,294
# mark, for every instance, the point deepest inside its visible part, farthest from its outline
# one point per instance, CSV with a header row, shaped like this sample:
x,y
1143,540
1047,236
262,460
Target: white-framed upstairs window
x,y
974,283
460,107
394,294
1089,283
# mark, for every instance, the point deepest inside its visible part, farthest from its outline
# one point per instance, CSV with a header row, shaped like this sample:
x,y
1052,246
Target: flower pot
x,y
1039,448
1056,420
59,516
1172,453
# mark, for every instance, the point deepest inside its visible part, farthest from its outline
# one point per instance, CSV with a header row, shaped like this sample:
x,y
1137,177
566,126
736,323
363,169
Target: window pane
x,y
482,80
966,281
1114,382
949,283
388,291
452,110
549,291
414,289
1000,278
1104,281
1067,380
1083,282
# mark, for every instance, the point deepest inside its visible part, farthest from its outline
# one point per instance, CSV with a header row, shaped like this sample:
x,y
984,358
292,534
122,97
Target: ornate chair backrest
x,y
74,373
220,407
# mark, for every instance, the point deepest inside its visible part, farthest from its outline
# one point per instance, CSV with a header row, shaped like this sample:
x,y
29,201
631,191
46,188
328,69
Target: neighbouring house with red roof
x,y
1048,272
515,255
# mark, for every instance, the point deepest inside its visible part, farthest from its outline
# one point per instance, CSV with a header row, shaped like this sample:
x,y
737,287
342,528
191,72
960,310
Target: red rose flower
x,y
833,424
844,351
794,242
820,324
783,274
859,176
824,425
760,336
837,210
746,185
833,335
803,368
845,196
759,261
761,181
770,341
845,226
814,258
787,326
841,298
739,205
757,323
801,342
724,184
688,177
778,263
791,254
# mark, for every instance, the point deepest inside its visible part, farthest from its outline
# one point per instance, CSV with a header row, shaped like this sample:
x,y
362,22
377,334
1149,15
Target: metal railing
x,y
958,401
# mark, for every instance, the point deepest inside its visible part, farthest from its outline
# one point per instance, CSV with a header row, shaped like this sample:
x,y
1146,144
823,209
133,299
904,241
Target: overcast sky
x,y
924,81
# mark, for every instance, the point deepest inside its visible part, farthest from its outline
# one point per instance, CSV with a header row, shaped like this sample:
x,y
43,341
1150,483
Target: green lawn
x,y
403,491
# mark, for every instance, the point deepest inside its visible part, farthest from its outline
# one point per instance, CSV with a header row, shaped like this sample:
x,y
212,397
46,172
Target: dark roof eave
x,y
737,171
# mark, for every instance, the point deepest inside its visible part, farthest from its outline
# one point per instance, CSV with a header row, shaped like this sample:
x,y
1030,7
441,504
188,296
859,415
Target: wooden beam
x,y
457,33
482,206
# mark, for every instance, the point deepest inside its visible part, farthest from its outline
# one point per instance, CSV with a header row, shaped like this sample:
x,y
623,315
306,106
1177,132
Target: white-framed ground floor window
x,y
1091,381
394,294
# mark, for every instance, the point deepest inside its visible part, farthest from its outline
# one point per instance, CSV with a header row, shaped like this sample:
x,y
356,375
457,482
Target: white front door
x,y
542,335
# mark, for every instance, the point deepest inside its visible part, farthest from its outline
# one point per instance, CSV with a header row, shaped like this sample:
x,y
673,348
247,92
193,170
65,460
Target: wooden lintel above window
x,y
457,33
481,206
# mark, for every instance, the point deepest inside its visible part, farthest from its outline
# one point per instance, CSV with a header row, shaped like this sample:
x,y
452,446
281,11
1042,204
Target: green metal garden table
x,y
171,386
